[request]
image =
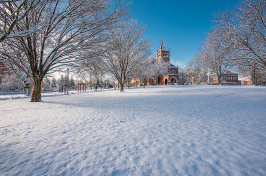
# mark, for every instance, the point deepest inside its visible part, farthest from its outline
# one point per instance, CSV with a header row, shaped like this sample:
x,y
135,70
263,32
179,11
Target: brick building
x,y
227,78
4,71
172,76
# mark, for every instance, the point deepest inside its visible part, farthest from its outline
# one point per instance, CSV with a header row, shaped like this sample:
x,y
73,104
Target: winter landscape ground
x,y
164,130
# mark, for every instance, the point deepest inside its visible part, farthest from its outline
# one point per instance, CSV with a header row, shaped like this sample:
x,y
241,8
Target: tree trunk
x,y
36,93
219,79
121,86
253,76
219,74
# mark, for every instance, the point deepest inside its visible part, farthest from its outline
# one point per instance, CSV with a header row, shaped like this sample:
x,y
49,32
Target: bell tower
x,y
163,53
163,56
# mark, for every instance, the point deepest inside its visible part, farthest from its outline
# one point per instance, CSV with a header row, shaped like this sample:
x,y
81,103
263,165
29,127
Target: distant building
x,y
4,72
163,55
6,77
172,75
246,81
227,78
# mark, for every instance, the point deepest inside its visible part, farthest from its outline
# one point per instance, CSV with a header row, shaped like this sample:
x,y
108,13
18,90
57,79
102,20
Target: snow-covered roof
x,y
172,66
224,73
245,78
163,46
229,72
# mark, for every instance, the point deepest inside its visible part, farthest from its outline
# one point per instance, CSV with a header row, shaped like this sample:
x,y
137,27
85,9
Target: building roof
x,y
163,46
229,73
172,66
224,73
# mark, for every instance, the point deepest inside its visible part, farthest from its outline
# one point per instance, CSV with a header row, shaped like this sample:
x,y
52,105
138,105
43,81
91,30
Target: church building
x,y
163,56
169,74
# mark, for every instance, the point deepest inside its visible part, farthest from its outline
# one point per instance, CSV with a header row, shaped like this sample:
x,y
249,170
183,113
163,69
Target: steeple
x,y
163,46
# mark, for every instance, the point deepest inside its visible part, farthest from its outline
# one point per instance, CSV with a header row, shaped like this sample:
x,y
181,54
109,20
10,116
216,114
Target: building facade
x,y
227,78
163,57
169,75
4,72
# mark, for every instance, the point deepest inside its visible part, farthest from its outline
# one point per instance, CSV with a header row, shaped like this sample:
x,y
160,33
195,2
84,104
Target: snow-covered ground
x,y
165,130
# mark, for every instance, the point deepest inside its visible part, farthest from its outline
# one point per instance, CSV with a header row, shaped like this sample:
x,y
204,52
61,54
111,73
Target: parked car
x,y
111,86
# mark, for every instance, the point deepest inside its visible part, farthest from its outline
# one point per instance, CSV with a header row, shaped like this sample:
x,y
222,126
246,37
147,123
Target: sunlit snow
x,y
163,130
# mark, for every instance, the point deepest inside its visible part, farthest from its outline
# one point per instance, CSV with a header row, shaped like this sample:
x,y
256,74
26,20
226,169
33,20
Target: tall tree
x,y
244,29
129,51
216,54
71,26
144,71
12,12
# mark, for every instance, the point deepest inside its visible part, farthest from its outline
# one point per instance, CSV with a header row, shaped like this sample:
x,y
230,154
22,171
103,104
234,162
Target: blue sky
x,y
183,24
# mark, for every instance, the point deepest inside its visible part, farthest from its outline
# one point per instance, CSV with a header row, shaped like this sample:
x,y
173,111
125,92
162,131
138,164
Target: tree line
x,y
237,41
89,36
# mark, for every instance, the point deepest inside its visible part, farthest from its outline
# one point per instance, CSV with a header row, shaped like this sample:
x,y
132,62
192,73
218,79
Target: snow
x,y
172,66
162,130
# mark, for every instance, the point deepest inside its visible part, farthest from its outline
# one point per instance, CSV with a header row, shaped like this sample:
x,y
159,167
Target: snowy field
x,y
165,130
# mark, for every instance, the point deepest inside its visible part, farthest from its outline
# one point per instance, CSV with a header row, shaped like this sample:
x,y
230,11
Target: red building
x,y
4,71
227,78
170,75
163,56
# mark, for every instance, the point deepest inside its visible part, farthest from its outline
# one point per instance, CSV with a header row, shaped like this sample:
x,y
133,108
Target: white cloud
x,y
180,64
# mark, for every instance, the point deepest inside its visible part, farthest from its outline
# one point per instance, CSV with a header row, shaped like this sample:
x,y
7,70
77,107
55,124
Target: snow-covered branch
x,y
66,29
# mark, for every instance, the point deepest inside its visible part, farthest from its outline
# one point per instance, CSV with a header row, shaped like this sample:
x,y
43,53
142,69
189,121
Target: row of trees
x,y
237,41
126,57
90,36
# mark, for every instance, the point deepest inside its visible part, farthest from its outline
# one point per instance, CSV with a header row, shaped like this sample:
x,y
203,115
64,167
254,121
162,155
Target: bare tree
x,y
92,63
192,71
217,54
71,26
12,12
129,51
253,28
244,30
237,40
144,71
92,68
159,68
182,77
12,83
